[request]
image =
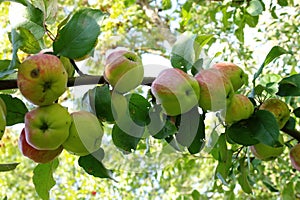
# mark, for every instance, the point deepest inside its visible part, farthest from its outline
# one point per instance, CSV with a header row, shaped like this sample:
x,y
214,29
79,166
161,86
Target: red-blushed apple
x,y
279,109
265,152
216,90
176,91
2,121
38,156
47,127
239,108
42,79
236,75
295,156
85,134
123,70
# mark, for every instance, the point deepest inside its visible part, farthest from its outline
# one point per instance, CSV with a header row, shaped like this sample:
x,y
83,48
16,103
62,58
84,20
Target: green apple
x,y
38,156
216,90
176,91
3,106
2,121
42,79
123,70
266,152
85,134
279,108
239,108
68,66
295,156
236,74
47,127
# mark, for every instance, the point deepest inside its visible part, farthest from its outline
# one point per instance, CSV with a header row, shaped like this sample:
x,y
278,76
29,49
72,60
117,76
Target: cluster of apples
x,y
49,127
212,89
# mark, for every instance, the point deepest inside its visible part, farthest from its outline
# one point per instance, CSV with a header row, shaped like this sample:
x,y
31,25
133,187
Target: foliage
x,y
156,161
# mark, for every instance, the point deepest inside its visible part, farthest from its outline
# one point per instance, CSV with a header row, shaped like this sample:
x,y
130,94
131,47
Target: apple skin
x,y
265,152
236,75
216,90
42,78
177,91
279,109
38,156
239,108
123,70
295,156
67,65
85,134
47,127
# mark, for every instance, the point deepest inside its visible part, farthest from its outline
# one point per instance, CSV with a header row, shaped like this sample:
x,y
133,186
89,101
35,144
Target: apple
x,y
236,74
3,106
42,78
85,134
295,156
177,91
2,121
279,108
216,90
266,152
47,127
239,108
123,70
67,65
39,156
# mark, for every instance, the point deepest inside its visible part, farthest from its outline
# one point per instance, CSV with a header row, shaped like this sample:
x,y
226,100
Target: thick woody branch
x,y
293,133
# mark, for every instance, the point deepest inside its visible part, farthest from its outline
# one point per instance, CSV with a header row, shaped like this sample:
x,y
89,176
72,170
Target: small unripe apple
x,y
47,127
279,108
266,152
39,156
42,78
216,90
68,66
236,74
295,156
239,108
177,91
123,70
85,134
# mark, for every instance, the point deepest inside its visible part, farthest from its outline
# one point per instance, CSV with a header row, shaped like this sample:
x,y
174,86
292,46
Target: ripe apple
x,y
2,121
123,70
85,134
266,152
177,91
295,156
42,78
236,74
39,156
278,108
239,108
47,127
216,90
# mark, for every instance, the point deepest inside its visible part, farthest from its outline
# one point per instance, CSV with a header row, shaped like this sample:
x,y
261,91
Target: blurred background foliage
x,y
241,35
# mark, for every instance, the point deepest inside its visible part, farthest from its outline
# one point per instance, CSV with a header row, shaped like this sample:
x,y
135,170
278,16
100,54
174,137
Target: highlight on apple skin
x,y
38,156
236,75
295,156
216,90
42,79
123,70
176,91
279,109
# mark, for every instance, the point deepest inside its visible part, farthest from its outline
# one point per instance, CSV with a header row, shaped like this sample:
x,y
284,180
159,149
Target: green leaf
x,y
200,42
270,186
241,133
288,192
79,36
23,2
43,178
16,109
92,165
196,195
252,21
49,9
168,129
275,52
124,141
289,86
27,42
8,167
166,4
243,177
239,33
138,109
297,112
282,2
255,8
4,68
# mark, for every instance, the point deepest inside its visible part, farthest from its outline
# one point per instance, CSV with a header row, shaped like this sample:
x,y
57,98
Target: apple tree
x,y
81,118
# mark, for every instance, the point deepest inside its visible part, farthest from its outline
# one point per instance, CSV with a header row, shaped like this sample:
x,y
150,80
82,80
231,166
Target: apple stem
x,y
76,68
